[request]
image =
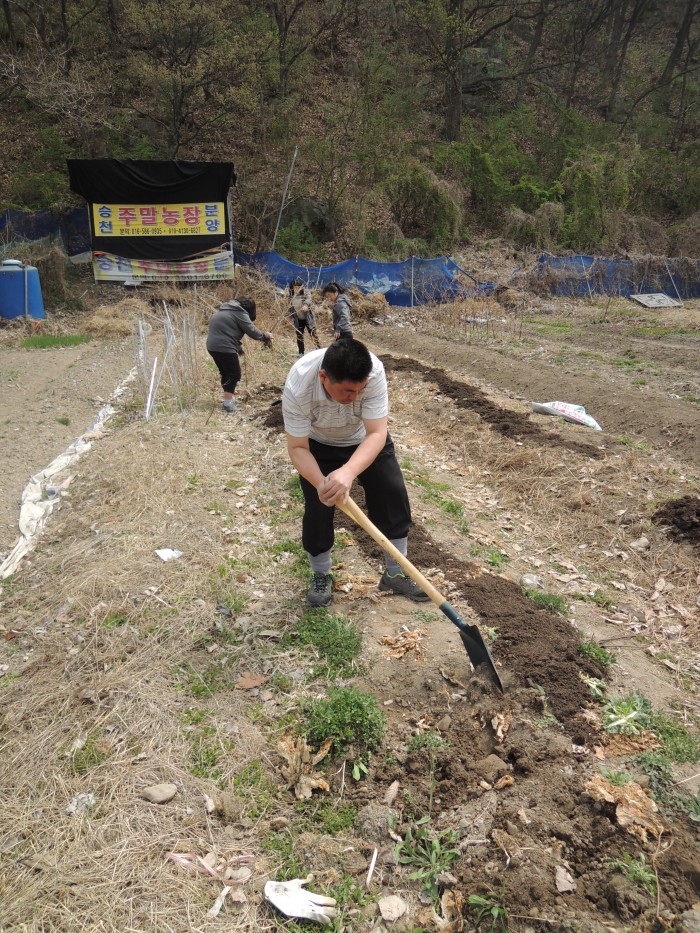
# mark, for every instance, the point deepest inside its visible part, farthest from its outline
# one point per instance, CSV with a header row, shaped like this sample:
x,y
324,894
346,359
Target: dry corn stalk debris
x,y
300,761
634,810
399,645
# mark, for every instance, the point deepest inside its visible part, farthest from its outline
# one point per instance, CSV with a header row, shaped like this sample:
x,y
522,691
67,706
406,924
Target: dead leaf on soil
x,y
500,724
505,781
422,724
248,681
633,808
452,919
391,793
359,587
399,645
621,745
301,761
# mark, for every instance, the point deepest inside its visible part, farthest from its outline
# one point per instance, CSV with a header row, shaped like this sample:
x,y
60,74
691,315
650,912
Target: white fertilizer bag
x,y
576,414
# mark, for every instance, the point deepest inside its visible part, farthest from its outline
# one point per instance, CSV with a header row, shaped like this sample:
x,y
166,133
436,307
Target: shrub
x,y
597,187
421,207
296,242
349,717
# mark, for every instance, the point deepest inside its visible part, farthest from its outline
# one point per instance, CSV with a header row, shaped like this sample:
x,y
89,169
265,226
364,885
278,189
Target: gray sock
x,y
401,545
320,563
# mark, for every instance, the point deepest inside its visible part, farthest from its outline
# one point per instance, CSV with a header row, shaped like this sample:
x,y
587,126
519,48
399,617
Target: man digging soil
x,y
335,406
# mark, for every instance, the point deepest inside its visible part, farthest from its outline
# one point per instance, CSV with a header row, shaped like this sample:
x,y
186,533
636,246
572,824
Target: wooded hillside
x,y
420,124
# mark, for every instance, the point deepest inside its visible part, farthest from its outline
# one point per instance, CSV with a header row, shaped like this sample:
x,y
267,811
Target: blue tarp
x,y
584,275
414,281
73,226
404,284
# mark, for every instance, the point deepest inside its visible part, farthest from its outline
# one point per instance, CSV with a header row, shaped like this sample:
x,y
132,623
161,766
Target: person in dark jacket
x,y
227,328
301,313
342,325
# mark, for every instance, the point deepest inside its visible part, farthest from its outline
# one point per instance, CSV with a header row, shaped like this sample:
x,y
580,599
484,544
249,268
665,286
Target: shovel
x,y
472,639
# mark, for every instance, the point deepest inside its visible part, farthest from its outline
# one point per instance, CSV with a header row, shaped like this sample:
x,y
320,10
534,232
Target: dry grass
x,y
116,320
120,657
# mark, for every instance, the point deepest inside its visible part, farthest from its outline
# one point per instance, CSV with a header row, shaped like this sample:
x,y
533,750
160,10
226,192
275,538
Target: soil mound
x,y
683,519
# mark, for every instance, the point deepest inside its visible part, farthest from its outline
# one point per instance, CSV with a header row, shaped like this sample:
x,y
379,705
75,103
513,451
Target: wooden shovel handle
x,y
353,511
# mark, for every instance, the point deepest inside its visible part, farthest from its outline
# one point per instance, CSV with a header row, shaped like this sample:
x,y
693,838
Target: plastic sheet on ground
x,y
39,498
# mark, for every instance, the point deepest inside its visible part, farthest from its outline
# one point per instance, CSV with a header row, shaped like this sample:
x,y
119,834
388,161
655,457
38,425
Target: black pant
x,y
385,493
300,325
229,367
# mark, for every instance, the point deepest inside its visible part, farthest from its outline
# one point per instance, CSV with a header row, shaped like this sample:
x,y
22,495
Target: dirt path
x,y
47,399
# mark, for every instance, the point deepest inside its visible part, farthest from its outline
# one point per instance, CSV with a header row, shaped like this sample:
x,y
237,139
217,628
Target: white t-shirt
x,y
309,411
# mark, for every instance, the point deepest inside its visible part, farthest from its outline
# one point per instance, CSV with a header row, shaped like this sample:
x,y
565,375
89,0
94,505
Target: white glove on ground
x,y
292,900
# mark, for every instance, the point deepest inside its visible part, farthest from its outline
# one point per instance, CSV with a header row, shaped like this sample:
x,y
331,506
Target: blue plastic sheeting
x,y
585,275
73,226
404,284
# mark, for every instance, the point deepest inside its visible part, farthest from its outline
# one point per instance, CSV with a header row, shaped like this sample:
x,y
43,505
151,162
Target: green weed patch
x,y
347,716
549,601
337,641
47,341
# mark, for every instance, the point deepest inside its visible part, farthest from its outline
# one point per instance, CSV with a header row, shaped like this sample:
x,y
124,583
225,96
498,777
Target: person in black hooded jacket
x,y
227,328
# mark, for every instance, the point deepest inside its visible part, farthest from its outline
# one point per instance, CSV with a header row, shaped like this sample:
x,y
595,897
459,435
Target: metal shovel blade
x,y
476,647
479,655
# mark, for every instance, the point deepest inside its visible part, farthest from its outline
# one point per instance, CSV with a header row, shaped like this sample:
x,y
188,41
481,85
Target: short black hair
x,y
332,287
347,360
248,304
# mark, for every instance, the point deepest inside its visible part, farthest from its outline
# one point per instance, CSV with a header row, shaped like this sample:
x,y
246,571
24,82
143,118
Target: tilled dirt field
x,y
121,671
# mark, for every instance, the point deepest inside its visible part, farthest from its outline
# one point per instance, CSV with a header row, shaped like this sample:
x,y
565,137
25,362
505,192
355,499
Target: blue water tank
x,y
20,290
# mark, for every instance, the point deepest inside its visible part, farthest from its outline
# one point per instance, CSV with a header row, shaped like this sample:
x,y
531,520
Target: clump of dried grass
x,y
124,684
116,320
366,306
52,271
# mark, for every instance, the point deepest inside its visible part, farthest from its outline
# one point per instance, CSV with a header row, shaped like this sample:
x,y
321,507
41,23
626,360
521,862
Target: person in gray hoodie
x,y
227,328
342,325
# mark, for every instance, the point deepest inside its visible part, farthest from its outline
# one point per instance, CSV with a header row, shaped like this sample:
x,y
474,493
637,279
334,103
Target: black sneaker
x,y
402,585
321,590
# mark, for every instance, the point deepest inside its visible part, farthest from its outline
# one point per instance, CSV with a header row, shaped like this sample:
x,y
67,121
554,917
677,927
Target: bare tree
x,y
449,28
298,26
682,40
626,18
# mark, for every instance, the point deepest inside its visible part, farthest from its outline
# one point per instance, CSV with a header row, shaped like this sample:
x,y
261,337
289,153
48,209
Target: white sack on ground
x,y
575,414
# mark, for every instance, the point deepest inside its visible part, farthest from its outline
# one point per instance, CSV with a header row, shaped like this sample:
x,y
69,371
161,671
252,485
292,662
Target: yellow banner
x,y
109,268
159,219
